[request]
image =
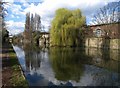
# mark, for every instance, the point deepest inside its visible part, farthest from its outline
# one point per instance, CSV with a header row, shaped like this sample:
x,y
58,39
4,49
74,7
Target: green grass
x,y
12,54
17,78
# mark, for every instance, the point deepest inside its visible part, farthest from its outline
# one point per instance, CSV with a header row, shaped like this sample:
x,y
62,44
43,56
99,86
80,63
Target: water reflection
x,y
67,63
32,57
69,66
108,59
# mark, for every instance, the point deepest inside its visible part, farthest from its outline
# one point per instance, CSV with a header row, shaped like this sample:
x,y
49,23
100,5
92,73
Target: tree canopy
x,y
66,27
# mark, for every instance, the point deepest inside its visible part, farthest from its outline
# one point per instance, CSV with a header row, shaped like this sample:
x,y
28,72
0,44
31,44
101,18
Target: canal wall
x,y
102,43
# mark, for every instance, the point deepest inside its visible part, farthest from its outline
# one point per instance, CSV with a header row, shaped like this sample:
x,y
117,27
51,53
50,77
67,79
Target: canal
x,y
69,66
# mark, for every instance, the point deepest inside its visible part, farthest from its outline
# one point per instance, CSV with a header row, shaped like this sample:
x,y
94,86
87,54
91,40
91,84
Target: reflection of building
x,y
104,58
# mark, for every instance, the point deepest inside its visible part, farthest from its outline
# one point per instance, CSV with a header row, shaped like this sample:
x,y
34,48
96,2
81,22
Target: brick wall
x,y
109,30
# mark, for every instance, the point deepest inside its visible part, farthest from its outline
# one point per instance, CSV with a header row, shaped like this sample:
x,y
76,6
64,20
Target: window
x,y
98,32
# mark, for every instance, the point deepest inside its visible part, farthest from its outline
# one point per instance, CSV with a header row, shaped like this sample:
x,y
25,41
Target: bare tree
x,y
37,22
108,14
27,32
32,24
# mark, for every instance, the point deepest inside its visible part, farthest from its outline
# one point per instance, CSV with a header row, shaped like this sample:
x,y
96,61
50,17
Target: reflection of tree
x,y
106,55
67,63
32,57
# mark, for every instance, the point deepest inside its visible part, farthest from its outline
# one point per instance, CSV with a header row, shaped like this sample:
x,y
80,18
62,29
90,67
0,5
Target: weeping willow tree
x,y
66,28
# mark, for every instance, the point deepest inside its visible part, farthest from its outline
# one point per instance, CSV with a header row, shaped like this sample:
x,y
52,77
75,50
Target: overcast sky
x,y
17,10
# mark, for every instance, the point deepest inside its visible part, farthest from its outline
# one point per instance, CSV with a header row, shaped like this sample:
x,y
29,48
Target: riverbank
x,y
12,75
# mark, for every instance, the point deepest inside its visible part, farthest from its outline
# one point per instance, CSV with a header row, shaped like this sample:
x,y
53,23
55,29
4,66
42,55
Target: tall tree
x,y
27,32
4,34
37,22
108,14
32,24
65,30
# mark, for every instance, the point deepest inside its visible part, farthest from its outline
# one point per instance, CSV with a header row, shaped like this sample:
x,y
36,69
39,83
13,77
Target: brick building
x,y
104,30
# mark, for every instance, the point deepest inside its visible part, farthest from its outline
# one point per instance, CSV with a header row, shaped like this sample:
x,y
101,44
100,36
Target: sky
x,y
17,9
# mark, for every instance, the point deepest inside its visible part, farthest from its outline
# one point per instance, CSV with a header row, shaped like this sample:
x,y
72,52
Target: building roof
x,y
44,33
102,24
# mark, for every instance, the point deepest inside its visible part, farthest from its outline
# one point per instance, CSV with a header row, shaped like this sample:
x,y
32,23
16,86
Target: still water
x,y
69,66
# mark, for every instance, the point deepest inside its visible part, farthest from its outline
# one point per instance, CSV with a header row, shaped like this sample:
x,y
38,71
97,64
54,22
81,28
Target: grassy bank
x,y
12,75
